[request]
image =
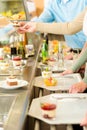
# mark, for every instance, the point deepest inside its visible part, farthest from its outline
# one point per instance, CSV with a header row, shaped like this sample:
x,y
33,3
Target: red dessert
x,y
48,110
16,61
50,81
1,58
17,58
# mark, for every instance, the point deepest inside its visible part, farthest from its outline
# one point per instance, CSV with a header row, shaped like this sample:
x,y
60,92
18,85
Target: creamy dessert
x,y
12,80
3,65
46,74
16,61
48,110
46,71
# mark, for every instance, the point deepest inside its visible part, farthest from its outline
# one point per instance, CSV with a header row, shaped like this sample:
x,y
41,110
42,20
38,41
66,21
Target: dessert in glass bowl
x,y
48,108
50,81
17,60
4,65
46,71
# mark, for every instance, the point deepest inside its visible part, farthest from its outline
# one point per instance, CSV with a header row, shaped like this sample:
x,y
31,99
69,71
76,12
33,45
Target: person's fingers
x,y
70,91
30,30
64,73
21,23
26,26
84,122
21,30
73,89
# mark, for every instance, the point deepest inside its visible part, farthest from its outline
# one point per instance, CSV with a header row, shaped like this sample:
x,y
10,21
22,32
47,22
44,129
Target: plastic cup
x,y
46,71
17,60
48,108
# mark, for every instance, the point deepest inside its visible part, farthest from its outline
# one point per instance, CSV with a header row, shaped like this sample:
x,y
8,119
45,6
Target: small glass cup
x,y
46,71
48,108
11,70
4,65
18,65
60,61
17,60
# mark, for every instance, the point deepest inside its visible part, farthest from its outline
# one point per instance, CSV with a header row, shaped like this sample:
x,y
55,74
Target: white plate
x,y
21,83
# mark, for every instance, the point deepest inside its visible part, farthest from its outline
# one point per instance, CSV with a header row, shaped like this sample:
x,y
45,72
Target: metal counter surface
x,y
18,113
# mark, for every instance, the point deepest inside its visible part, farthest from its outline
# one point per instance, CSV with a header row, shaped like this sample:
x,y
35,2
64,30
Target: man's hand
x,y
27,27
68,56
78,87
67,72
84,121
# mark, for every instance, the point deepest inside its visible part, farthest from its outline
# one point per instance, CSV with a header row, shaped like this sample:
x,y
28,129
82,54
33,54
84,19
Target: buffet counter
x,y
22,96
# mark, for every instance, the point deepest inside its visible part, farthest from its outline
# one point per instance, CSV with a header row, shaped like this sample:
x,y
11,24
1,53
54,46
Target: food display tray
x,y
63,82
71,108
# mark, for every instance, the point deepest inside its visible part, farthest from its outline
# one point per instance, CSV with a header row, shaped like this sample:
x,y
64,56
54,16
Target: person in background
x,y
80,86
61,11
84,121
58,14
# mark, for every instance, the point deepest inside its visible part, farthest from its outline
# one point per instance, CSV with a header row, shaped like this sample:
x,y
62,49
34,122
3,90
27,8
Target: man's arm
x,y
63,28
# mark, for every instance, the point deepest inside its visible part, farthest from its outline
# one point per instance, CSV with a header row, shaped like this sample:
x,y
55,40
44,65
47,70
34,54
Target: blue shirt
x,y
60,11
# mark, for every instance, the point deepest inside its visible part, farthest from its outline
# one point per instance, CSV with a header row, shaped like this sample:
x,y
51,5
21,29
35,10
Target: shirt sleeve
x,y
47,14
80,61
63,28
85,79
6,30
